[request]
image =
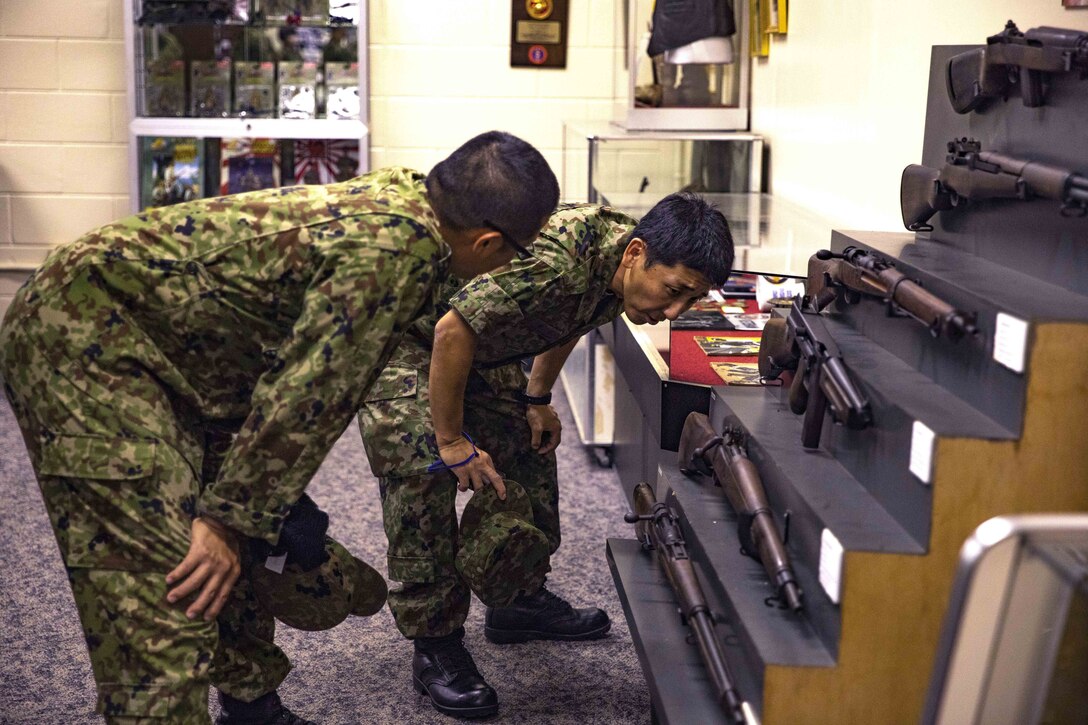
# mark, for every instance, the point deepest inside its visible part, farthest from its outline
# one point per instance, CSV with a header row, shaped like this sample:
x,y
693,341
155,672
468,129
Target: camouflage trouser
x,y
106,441
418,507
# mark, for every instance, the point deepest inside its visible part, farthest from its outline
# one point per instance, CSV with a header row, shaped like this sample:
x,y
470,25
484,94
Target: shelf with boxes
x,y
229,96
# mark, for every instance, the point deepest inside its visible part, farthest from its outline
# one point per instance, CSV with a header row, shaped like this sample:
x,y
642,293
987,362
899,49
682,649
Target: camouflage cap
x,y
322,597
502,554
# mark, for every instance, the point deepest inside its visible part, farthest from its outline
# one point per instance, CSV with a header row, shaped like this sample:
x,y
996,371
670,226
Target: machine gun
x,y
821,381
657,528
704,452
1012,58
972,174
857,273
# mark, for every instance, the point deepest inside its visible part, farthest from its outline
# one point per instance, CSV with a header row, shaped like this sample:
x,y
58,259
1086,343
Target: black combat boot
x,y
265,710
443,670
543,615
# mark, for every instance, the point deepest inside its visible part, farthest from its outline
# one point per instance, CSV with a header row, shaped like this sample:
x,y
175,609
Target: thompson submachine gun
x,y
657,527
724,457
972,174
821,381
1012,58
856,273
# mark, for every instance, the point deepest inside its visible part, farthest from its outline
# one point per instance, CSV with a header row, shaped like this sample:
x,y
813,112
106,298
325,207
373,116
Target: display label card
x,y
1010,342
275,563
922,441
831,558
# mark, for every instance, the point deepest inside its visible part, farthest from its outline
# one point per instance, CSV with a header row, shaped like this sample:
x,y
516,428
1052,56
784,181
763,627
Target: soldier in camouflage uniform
x,y
180,374
591,264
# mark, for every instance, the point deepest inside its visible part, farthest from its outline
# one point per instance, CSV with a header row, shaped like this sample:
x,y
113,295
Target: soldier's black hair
x,y
683,228
495,178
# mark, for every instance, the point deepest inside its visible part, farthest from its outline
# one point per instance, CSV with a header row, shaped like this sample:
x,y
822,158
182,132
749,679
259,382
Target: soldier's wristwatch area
x,y
524,397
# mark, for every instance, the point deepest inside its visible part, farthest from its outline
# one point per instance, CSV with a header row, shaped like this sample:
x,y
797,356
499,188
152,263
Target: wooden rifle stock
x,y
862,273
703,451
657,527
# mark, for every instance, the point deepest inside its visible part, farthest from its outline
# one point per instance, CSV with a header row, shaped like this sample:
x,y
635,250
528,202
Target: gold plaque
x,y
530,32
539,9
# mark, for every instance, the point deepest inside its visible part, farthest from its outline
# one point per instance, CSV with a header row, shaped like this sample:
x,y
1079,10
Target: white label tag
x,y
1010,342
921,451
275,563
831,558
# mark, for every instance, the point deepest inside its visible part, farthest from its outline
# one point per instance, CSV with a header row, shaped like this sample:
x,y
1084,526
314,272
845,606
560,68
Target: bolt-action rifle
x,y
1010,59
724,457
821,381
858,273
972,174
658,528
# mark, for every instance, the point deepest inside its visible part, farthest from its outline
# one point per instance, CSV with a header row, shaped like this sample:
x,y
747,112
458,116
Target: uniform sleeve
x,y
501,300
359,302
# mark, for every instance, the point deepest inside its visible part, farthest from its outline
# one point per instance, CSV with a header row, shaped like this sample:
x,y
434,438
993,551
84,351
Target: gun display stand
x,y
987,426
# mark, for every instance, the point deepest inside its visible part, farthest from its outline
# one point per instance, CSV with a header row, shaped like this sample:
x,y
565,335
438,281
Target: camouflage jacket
x,y
536,304
276,308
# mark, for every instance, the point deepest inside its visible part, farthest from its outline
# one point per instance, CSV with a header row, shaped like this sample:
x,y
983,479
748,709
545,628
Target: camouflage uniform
x,y
520,311
134,355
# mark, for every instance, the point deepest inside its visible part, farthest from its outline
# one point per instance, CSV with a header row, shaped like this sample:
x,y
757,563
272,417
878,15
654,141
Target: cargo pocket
x,y
395,422
150,701
118,503
411,569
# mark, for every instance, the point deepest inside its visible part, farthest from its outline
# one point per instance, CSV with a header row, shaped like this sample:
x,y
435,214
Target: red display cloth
x,y
687,361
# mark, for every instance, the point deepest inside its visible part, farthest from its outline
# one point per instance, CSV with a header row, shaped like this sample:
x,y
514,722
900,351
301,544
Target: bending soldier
x,y
591,264
179,375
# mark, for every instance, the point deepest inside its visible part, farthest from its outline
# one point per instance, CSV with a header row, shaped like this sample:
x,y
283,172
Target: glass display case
x,y
664,80
235,95
603,160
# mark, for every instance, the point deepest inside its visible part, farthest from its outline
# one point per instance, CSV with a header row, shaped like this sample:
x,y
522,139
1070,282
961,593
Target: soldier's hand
x,y
211,566
545,426
477,473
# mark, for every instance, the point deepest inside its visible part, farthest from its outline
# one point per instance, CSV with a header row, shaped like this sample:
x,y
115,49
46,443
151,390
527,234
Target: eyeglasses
x,y
521,251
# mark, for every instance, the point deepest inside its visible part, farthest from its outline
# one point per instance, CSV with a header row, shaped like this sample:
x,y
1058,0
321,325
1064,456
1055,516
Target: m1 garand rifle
x,y
1011,59
704,452
821,381
658,528
972,174
858,273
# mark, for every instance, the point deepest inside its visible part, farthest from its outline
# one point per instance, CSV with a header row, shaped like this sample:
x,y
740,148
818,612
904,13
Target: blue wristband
x,y
441,465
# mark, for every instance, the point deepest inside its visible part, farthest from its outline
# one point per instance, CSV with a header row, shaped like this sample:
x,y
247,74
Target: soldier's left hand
x,y
211,566
545,426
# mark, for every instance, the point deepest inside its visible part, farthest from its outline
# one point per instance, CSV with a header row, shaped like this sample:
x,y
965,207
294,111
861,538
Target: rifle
x,y
1013,58
704,452
821,381
658,528
973,174
856,273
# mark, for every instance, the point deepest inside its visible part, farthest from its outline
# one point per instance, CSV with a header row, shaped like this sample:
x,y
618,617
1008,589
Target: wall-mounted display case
x,y
701,85
225,97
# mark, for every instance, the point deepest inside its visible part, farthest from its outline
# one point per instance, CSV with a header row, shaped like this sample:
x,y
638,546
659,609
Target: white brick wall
x,y
440,73
63,153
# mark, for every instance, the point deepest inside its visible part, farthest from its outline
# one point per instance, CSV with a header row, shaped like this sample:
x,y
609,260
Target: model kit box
x,y
254,89
164,88
209,88
342,91
172,170
297,89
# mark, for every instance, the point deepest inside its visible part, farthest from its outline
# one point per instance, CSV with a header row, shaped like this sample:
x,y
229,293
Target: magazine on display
x,y
728,346
737,373
319,161
172,170
248,164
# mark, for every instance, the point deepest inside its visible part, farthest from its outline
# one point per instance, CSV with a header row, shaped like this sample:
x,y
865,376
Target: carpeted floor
x,y
360,671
